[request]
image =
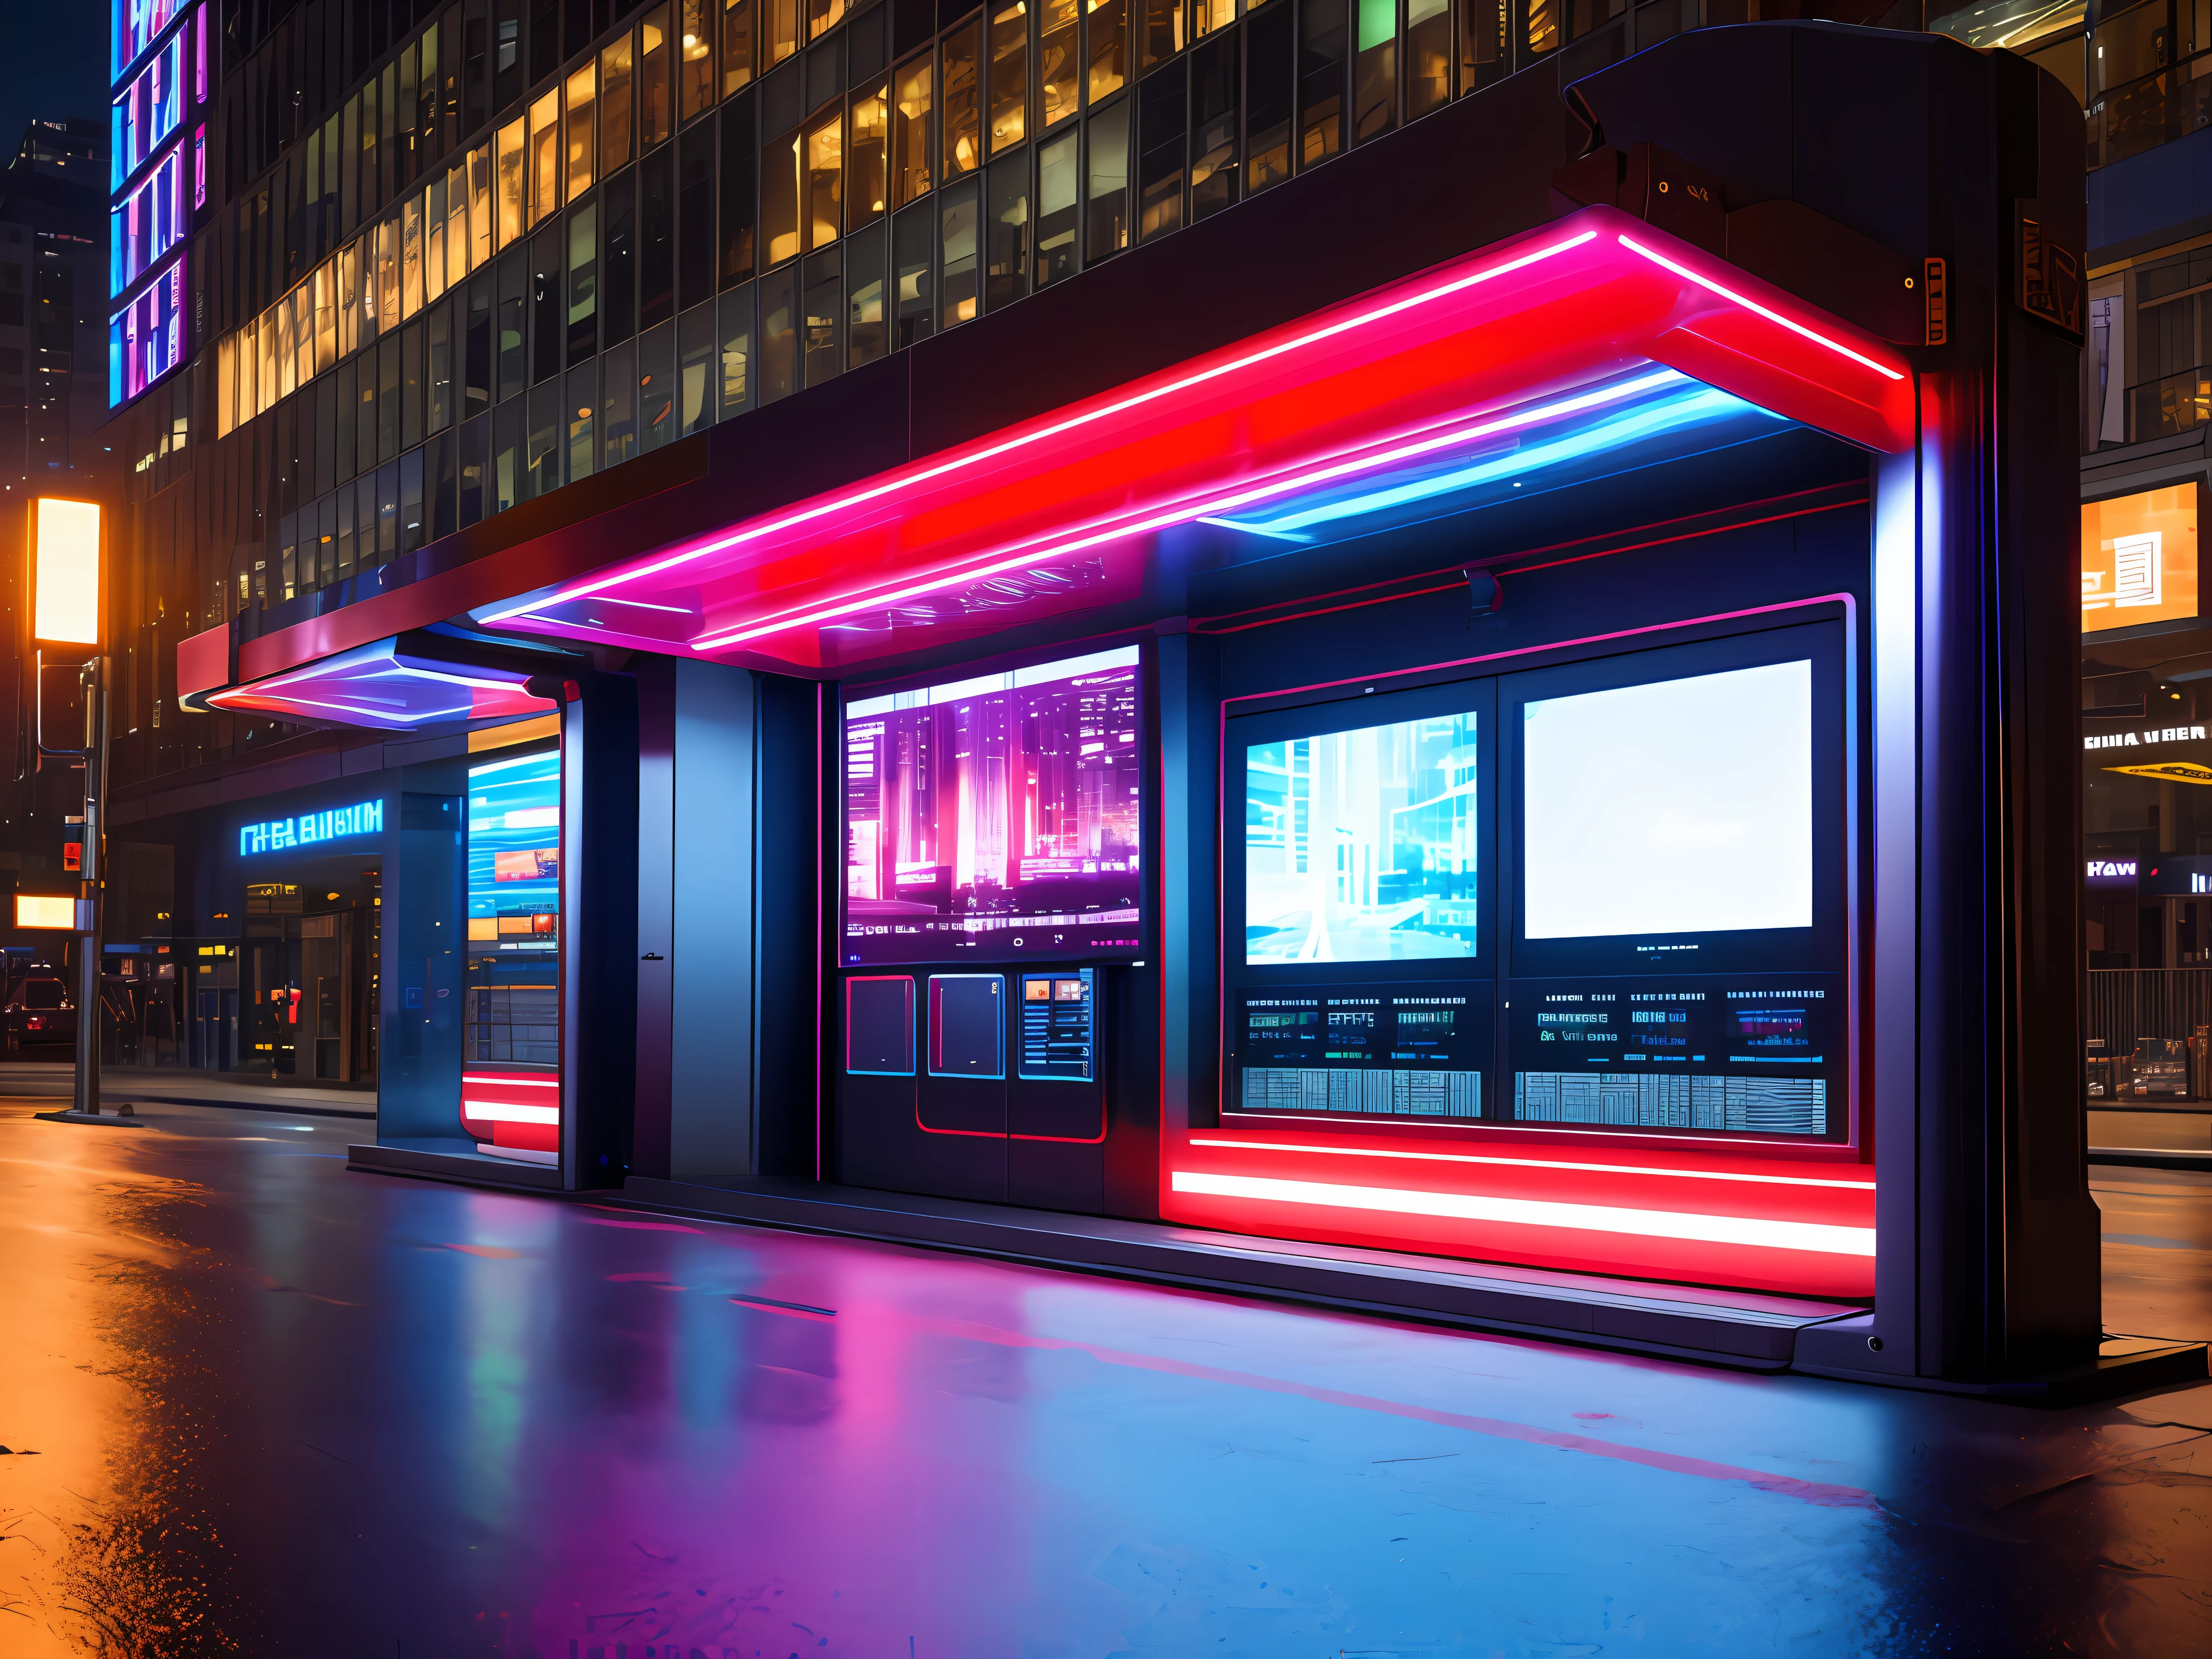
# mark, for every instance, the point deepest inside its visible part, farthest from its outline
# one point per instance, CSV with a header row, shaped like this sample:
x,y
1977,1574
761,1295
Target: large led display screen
x,y
1605,895
1675,806
995,819
1359,846
2139,557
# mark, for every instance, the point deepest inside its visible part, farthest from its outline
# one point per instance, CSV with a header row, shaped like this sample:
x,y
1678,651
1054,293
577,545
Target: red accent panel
x,y
203,660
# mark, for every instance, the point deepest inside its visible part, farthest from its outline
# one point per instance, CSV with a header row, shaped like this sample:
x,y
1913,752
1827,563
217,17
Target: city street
x,y
259,1404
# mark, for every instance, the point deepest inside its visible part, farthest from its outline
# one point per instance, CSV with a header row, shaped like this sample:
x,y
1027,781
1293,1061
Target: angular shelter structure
x,y
1489,735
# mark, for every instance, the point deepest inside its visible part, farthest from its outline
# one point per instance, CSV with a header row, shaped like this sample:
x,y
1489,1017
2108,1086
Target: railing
x,y
2156,110
2147,1034
2161,408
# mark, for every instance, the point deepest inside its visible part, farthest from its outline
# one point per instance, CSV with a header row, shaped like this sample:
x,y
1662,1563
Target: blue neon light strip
x,y
1687,405
309,829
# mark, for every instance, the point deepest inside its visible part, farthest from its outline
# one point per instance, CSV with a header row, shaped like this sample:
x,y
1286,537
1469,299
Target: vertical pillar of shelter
x,y
2008,1278
424,957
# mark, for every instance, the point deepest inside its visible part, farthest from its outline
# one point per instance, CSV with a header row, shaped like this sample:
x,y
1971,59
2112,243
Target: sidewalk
x,y
2166,1140
177,1087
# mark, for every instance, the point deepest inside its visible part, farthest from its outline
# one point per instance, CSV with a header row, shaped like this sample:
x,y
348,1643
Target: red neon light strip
x,y
1531,1164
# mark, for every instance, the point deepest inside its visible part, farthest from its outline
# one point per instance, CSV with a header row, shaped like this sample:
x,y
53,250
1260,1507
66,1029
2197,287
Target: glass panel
x,y
866,191
616,94
618,277
656,386
1162,31
1106,219
1107,24
1058,174
782,30
434,240
825,179
1428,56
480,213
1006,267
459,247
583,129
618,406
654,118
1543,26
506,455
1482,33
511,184
514,307
410,256
736,264
1163,117
1009,74
963,138
779,335
1059,61
1212,16
1375,71
388,409
913,132
342,541
439,409
914,246
695,369
866,335
821,294
410,387
1268,78
411,501
1320,81
583,281
545,156
476,443
541,474
696,85
737,44
476,352
780,197
581,416
735,309
822,16
387,273
957,239
1213,171
547,301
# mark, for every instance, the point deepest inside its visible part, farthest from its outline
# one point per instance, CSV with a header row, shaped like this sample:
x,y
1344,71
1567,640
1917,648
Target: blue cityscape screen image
x,y
1361,846
995,817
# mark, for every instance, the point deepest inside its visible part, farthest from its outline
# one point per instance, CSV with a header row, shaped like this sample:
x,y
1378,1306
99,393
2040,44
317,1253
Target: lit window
x,y
583,129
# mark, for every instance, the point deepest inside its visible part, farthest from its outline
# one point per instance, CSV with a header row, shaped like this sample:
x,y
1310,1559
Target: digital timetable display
x,y
1414,1050
1751,1054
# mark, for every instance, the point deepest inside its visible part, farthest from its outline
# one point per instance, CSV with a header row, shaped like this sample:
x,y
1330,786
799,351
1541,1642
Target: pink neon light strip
x,y
1531,1164
1771,316
1757,1233
1198,507
1075,422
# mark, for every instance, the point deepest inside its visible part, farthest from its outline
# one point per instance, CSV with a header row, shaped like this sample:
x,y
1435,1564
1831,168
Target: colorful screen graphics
x,y
995,819
1360,846
515,910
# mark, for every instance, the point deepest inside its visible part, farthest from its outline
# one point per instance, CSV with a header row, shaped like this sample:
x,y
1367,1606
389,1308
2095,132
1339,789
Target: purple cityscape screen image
x,y
995,819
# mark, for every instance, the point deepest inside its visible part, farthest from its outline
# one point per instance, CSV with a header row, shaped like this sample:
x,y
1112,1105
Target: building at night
x,y
1037,628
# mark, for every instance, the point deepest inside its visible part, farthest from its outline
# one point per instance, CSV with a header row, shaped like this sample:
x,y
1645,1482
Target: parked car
x,y
40,1010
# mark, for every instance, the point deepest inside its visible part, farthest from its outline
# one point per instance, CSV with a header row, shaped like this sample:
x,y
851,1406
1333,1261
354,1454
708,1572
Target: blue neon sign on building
x,y
277,835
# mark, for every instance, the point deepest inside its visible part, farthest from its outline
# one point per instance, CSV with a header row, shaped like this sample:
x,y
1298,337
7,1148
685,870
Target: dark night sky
x,y
53,63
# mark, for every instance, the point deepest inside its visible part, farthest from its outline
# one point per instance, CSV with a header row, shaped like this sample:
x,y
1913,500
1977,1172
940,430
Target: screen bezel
x,y
1009,959
1820,946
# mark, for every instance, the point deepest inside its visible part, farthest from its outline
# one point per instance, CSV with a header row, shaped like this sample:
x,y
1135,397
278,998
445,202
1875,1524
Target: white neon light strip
x,y
1073,423
1711,286
1189,510
1817,1236
1530,1163
499,1111
515,1082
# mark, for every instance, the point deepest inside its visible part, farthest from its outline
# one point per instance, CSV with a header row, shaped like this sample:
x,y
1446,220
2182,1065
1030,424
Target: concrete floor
x,y
279,1409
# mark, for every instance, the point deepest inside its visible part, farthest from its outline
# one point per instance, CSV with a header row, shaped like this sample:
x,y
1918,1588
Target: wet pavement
x,y
280,1408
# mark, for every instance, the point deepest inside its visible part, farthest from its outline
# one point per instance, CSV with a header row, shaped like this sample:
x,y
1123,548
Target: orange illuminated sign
x,y
65,571
46,910
2139,558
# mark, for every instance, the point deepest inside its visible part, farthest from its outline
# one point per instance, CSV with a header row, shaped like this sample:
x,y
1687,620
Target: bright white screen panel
x,y
1683,806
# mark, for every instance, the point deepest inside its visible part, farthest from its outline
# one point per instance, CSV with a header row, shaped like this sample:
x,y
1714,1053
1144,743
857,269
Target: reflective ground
x,y
282,1409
